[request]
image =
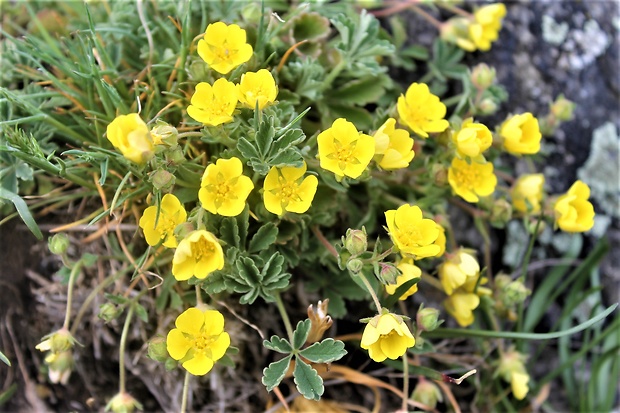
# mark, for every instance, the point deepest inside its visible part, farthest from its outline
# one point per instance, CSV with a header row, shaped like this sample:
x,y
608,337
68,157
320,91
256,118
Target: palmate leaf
x,y
308,381
361,40
272,147
327,351
246,278
275,372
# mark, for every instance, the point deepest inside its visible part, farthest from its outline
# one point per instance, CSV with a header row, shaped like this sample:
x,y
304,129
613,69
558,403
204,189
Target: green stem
x,y
184,45
405,382
109,280
334,73
74,273
461,333
426,16
185,392
284,315
372,292
452,100
118,192
48,167
526,263
121,349
189,135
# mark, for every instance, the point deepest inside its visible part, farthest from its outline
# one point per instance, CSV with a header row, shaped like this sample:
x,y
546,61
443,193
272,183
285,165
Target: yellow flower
x,y
422,111
393,147
158,228
472,139
527,193
469,181
386,336
518,384
257,87
213,105
286,190
198,254
224,188
441,241
573,211
130,135
60,365
488,23
521,134
408,272
457,30
199,340
224,47
463,301
512,369
461,306
345,151
412,234
457,269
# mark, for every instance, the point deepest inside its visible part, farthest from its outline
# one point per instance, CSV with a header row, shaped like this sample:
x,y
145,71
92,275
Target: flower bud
x,y
175,156
427,392
320,321
356,241
123,403
164,134
562,108
58,244
60,366
530,226
427,319
58,341
501,213
355,265
157,349
482,76
512,369
514,293
388,273
108,312
440,174
162,180
182,230
487,106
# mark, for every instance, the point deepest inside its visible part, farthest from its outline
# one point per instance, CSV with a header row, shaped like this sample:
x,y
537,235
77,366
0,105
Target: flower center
x,y
411,236
202,344
344,154
202,249
288,191
467,177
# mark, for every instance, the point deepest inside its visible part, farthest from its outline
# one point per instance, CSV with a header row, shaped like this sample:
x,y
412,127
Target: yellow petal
x,y
213,323
177,344
219,346
190,321
199,365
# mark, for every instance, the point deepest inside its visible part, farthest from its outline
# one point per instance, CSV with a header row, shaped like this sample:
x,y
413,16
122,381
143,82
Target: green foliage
x,y
272,148
307,379
4,359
